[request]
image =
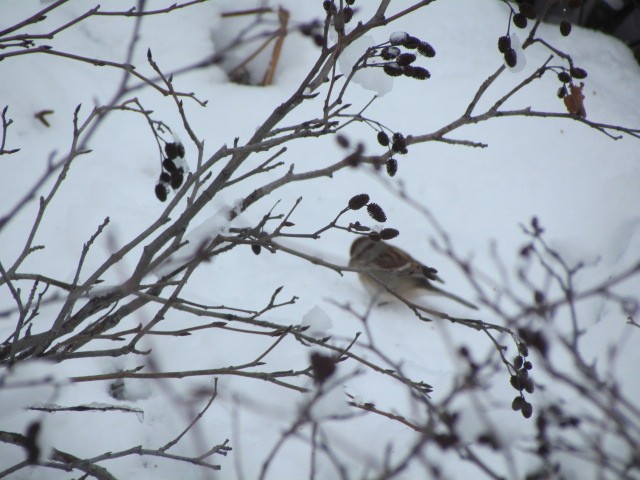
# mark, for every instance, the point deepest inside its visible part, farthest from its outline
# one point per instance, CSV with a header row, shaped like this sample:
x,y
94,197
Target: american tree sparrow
x,y
390,268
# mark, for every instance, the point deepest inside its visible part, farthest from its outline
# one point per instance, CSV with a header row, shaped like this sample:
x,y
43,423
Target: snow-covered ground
x,y
582,186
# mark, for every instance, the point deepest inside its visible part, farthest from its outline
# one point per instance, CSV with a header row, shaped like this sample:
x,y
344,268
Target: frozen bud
x,y
375,211
510,57
358,227
405,59
162,191
169,165
504,43
411,42
426,49
578,73
389,53
383,139
397,38
358,201
565,28
564,77
527,410
256,249
388,233
392,69
392,167
519,20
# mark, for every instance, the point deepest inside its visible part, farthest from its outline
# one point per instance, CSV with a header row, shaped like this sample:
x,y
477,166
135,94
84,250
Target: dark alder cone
x,y
518,362
392,167
31,442
375,211
527,10
328,6
405,59
389,53
426,49
523,349
519,20
535,339
165,177
388,233
528,385
351,2
162,191
342,141
177,177
565,28
504,43
564,77
174,150
411,42
418,73
527,365
168,165
578,73
318,39
392,69
399,143
307,29
510,57
527,410
348,14
375,236
515,382
256,249
322,366
383,139
445,440
358,201
518,403
353,160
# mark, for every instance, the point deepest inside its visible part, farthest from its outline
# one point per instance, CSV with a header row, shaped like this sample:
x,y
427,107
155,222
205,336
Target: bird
x,y
385,267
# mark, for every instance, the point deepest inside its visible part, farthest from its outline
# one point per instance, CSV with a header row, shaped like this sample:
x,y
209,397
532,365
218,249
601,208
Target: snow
x,y
582,185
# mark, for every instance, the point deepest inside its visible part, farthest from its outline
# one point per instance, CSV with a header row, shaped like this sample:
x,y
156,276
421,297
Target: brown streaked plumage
x,y
391,268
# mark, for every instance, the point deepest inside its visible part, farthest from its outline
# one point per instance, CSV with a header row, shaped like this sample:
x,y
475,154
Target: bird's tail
x,y
454,297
